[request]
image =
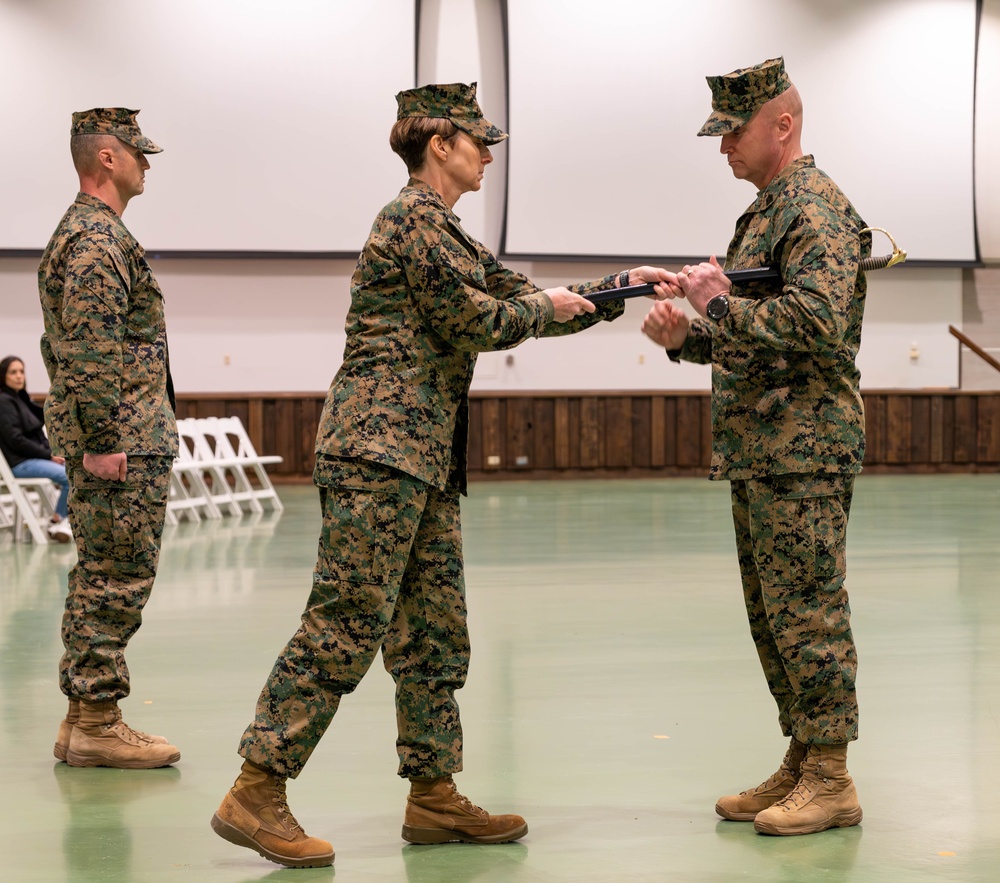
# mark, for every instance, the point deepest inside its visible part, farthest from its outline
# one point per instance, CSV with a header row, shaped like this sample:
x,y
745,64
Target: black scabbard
x,y
737,277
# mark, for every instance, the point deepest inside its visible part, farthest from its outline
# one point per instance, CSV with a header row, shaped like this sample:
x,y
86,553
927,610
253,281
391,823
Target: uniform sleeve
x,y
94,304
503,283
819,249
697,346
449,284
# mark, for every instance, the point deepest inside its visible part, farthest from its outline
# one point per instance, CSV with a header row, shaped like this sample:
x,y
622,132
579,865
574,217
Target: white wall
x,y
281,322
866,80
258,119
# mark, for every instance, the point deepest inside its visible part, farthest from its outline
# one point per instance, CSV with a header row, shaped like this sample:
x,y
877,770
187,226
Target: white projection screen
x,y
606,98
274,116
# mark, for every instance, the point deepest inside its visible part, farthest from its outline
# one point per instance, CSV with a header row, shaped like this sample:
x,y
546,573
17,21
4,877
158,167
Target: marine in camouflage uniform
x,y
105,351
788,433
426,298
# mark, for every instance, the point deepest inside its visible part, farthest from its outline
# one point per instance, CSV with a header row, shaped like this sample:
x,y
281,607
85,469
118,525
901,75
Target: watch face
x,y
717,307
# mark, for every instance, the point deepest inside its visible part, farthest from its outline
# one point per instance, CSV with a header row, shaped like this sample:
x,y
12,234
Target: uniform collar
x,y
93,201
777,184
424,187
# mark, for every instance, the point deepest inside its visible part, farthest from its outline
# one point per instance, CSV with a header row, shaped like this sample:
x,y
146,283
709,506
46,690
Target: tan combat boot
x,y
743,807
66,731
99,737
823,798
437,813
255,814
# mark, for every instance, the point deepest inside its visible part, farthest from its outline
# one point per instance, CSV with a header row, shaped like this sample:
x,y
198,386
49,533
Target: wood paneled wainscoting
x,y
621,434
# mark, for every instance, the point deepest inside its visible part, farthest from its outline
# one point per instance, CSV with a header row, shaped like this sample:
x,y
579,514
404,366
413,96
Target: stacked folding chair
x,y
231,429
190,496
203,463
218,472
25,504
216,445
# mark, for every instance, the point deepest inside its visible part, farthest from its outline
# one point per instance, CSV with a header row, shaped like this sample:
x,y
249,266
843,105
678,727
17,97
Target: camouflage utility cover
x,y
117,121
737,96
104,344
785,386
426,298
455,102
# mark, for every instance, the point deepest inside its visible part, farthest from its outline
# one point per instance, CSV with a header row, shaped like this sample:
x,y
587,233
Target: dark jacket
x,y
21,429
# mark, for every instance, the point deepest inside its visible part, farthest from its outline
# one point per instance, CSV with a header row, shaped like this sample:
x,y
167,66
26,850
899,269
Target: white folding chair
x,y
8,509
252,462
197,459
183,501
189,495
232,468
30,503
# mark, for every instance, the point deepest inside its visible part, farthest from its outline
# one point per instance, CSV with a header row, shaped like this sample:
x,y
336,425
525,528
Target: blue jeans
x,y
46,469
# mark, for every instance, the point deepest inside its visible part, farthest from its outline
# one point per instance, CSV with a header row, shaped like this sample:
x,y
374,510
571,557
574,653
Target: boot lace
x,y
125,732
784,772
805,789
791,768
763,786
280,801
464,801
798,797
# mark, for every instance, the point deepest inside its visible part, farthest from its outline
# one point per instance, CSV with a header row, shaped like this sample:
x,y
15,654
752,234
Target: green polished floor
x,y
614,694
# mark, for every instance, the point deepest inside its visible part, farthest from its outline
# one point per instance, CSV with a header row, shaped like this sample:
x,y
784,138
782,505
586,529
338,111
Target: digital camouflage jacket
x,y
426,298
785,386
105,343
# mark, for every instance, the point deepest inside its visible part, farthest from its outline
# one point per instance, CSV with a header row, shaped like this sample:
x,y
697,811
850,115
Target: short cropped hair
x,y
410,136
84,149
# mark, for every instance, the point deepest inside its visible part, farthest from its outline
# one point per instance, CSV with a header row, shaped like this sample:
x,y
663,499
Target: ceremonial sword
x,y
757,274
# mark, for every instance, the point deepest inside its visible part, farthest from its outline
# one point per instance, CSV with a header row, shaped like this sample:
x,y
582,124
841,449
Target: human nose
x,y
485,155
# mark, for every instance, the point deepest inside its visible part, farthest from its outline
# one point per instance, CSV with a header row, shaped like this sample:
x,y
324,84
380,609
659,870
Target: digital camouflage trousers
x,y
118,526
389,575
791,533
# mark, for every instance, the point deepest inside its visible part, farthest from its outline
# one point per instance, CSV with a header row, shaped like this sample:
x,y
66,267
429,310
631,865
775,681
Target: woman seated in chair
x,y
24,444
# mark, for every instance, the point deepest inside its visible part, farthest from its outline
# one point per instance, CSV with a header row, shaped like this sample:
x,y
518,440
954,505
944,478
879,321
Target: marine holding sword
x,y
788,432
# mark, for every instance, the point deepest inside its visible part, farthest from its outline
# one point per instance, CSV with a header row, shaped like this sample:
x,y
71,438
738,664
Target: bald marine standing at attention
x,y
788,433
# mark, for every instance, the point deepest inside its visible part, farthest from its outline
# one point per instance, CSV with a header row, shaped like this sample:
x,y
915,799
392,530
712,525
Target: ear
x,y
785,124
437,148
106,157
